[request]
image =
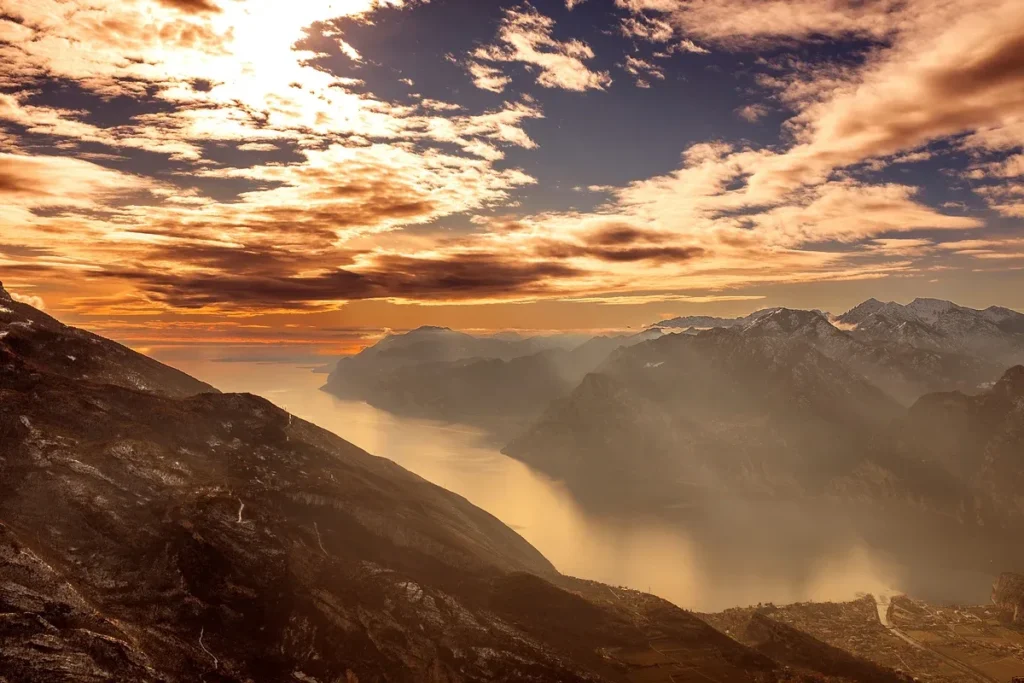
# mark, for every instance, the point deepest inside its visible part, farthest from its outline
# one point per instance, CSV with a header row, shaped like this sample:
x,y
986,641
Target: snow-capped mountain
x,y
995,333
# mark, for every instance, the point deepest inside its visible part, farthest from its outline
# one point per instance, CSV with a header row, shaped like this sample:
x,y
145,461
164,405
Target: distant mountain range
x,y
781,402
155,530
930,324
788,404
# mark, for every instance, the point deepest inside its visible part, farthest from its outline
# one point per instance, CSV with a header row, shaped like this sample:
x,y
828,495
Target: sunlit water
x,y
731,557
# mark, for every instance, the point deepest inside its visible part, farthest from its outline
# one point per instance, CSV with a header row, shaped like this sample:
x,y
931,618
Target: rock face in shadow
x,y
977,442
215,537
1008,593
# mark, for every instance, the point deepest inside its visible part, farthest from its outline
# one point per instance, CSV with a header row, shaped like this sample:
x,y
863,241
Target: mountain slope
x,y
977,441
726,407
43,342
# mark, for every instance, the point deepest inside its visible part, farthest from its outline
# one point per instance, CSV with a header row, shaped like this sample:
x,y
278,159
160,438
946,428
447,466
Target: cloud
x,y
412,199
525,36
687,45
30,299
467,277
191,6
746,22
1007,199
487,77
643,71
752,112
643,27
51,181
947,72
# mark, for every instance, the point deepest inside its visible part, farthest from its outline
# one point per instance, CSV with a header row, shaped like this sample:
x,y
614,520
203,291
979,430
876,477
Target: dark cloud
x,y
611,254
191,6
12,183
613,235
248,260
457,277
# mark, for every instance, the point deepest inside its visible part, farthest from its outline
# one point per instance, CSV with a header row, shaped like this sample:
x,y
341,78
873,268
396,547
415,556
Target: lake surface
x,y
731,555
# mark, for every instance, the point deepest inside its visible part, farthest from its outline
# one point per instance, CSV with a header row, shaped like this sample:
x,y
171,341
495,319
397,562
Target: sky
x,y
263,178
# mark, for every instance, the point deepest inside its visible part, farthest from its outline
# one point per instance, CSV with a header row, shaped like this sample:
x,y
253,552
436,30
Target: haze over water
x,y
734,554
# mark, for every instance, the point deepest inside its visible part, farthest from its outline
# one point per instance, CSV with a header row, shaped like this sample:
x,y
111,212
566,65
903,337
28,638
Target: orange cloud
x,y
525,36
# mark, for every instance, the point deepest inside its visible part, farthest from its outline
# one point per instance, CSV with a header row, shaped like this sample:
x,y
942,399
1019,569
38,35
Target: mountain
x,y
976,441
700,322
994,333
430,344
925,346
904,372
789,405
147,536
42,342
502,392
704,322
729,407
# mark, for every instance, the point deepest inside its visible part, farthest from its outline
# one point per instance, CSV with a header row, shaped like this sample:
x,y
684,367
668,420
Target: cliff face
x,y
1008,593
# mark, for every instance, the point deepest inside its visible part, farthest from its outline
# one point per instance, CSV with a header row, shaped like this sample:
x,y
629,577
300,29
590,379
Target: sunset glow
x,y
311,174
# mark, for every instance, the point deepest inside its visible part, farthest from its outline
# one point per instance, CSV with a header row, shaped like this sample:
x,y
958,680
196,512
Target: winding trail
x,y
884,605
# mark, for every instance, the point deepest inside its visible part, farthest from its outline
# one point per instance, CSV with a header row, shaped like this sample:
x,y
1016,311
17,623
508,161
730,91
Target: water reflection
x,y
730,554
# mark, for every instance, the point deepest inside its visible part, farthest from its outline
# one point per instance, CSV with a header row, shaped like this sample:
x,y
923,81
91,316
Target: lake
x,y
733,554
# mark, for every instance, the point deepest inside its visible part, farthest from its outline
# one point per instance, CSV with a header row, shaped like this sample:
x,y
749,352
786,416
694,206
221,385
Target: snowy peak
x,y
929,310
861,311
700,322
705,322
4,296
786,320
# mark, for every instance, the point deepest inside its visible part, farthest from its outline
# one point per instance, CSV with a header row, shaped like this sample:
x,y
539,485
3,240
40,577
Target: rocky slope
x,y
149,537
42,342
